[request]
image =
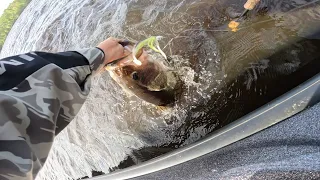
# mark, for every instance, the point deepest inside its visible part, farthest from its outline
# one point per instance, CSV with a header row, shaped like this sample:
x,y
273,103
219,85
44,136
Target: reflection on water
x,y
226,74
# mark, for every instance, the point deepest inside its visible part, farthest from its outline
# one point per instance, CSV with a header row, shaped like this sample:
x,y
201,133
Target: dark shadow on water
x,y
240,99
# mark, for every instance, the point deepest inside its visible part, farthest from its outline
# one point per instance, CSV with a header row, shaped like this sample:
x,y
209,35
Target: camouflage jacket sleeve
x,y
40,93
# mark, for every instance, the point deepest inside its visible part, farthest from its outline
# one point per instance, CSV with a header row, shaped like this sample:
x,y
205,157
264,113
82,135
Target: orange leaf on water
x,y
233,25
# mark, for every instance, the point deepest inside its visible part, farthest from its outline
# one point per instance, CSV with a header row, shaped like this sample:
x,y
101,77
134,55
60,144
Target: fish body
x,y
151,80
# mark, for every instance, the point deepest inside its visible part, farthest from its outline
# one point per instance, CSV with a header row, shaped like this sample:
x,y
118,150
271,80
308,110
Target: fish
x,y
149,79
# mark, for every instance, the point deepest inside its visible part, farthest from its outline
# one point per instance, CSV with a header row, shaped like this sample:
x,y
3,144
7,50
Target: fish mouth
x,y
137,50
131,57
150,79
114,64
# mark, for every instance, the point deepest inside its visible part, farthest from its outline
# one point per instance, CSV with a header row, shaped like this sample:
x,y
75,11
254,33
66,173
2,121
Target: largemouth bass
x,y
148,78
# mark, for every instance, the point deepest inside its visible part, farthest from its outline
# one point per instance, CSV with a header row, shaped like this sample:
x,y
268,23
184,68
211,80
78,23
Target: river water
x,y
226,74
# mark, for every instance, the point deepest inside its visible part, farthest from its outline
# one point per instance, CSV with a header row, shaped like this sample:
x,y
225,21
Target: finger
x,y
116,39
125,42
128,48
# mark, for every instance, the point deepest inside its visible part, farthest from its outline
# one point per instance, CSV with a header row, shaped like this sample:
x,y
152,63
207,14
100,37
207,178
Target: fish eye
x,y
135,76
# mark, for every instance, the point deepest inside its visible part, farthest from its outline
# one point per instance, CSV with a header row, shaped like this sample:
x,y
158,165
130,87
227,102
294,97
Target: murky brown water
x,y
226,74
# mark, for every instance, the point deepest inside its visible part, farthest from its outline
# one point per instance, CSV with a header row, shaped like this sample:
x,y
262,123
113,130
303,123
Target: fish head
x,y
150,79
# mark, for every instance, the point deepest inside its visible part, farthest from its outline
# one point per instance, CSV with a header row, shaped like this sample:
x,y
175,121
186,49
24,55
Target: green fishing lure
x,y
152,43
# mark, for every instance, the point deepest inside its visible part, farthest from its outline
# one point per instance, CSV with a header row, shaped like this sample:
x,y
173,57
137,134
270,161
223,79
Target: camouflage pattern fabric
x,y
38,108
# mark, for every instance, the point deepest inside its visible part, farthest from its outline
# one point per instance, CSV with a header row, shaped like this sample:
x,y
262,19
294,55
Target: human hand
x,y
250,4
112,49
